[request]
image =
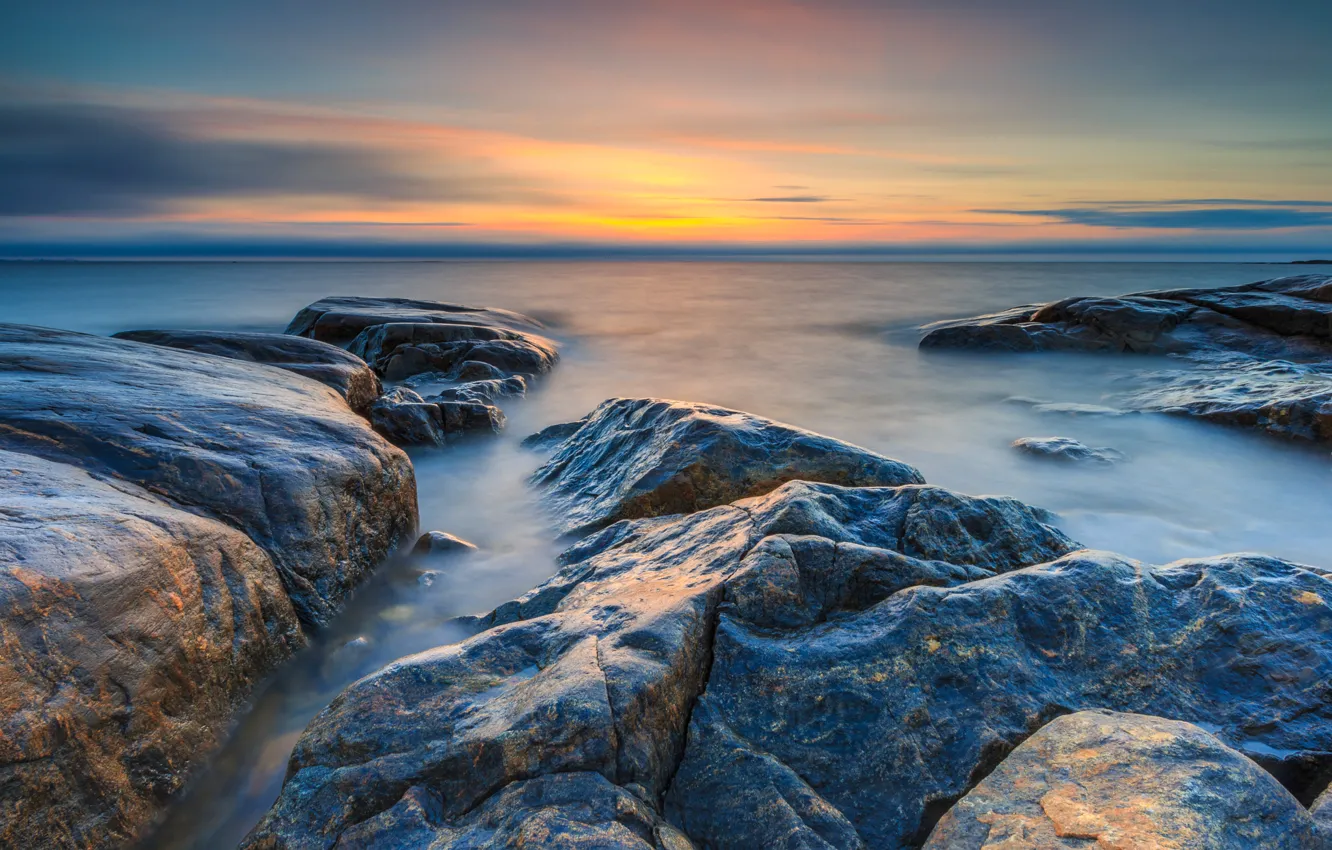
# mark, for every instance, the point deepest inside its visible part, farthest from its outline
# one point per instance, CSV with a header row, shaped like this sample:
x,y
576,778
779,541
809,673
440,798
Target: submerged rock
x,y
406,419
168,516
648,457
1126,780
1067,450
328,364
441,543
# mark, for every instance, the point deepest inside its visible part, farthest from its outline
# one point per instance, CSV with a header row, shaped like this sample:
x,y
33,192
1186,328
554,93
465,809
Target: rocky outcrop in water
x,y
169,516
1067,450
441,543
327,364
647,457
1103,779
1263,349
405,418
819,666
401,337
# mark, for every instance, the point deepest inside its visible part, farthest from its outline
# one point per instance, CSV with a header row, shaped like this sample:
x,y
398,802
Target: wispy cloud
x,y
793,199
1185,214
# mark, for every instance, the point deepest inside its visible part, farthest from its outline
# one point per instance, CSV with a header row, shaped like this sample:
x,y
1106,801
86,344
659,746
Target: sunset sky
x,y
341,128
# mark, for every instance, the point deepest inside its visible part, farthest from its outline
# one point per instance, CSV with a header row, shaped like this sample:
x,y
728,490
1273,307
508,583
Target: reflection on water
x,y
831,347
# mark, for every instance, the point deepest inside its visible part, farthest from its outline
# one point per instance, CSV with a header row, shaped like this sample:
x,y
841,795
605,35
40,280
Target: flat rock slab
x,y
340,319
1105,779
1264,348
169,518
647,457
351,376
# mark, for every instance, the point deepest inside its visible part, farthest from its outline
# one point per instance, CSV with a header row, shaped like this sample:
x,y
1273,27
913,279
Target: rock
x,y
1254,345
552,436
578,811
327,364
400,337
406,419
398,351
1322,811
130,631
474,370
440,543
168,518
484,392
596,671
648,457
1066,450
340,319
1126,780
889,714
1277,397
274,455
1287,318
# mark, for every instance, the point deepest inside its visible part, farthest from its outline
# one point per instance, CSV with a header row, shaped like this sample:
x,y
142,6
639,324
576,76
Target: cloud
x,y
82,159
793,199
1259,215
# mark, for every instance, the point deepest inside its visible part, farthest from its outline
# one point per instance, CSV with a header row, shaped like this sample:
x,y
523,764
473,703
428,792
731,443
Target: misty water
x,y
827,346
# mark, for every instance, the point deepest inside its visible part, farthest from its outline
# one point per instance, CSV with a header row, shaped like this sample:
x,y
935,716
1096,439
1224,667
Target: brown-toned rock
x,y
1108,780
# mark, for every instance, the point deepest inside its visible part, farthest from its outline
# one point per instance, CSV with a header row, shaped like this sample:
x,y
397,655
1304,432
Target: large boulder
x,y
1288,317
820,666
647,457
400,338
345,372
597,670
1261,351
277,456
167,520
1104,779
130,630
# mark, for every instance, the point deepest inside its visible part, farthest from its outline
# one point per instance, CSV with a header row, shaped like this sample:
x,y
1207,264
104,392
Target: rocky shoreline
x,y
761,636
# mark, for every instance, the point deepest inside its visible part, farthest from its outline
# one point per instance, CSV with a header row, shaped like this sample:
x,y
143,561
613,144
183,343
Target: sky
x,y
585,127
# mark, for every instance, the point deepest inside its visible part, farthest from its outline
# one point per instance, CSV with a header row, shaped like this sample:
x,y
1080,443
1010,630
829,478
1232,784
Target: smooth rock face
x,y
1102,779
339,319
1066,450
484,392
130,630
165,519
597,670
404,418
649,457
1287,317
327,364
276,456
1254,345
401,337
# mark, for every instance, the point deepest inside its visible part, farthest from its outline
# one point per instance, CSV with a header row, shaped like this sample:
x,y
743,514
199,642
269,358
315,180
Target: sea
x,y
831,347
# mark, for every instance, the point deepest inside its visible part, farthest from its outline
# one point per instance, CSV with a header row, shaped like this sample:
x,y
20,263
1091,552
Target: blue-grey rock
x,y
339,319
1067,450
648,457
483,392
406,419
441,543
354,380
1106,779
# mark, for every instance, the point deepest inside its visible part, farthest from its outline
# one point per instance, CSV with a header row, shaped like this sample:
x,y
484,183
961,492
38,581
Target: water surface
x,y
828,346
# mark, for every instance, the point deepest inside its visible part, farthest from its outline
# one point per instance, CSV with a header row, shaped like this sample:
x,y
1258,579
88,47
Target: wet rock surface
x,y
340,319
649,457
406,419
327,364
1066,450
441,543
1104,779
1263,349
598,669
170,519
820,666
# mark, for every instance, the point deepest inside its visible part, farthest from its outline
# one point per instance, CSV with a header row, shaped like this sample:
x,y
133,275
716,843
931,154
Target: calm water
x,y
831,347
